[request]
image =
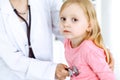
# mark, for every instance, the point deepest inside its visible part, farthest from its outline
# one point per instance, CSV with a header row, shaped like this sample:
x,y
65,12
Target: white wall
x,y
114,37
111,30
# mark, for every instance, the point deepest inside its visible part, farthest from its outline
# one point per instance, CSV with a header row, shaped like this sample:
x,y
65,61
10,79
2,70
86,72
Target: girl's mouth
x,y
66,31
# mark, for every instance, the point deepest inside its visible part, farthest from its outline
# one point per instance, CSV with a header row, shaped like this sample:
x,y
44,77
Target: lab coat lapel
x,y
13,27
18,33
37,27
34,24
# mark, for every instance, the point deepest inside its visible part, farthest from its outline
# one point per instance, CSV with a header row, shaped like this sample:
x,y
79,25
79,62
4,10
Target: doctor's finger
x,y
65,73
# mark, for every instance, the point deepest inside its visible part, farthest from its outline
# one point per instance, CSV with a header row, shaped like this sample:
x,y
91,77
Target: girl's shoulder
x,y
90,46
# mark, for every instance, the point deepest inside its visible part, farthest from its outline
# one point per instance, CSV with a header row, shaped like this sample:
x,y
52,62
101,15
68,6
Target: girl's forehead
x,y
73,5
72,9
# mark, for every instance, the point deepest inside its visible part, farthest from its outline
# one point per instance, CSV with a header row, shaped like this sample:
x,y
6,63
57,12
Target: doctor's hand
x,y
61,72
111,63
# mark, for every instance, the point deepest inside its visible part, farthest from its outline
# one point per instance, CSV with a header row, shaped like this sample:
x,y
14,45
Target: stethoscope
x,y
28,30
73,71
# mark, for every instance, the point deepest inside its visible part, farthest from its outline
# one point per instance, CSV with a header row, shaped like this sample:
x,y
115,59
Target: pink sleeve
x,y
97,62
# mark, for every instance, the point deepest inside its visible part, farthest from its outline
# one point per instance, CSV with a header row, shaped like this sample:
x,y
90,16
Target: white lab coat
x,y
14,44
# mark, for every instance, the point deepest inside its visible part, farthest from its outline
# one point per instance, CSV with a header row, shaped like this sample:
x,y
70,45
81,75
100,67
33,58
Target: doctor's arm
x,y
111,63
23,66
28,67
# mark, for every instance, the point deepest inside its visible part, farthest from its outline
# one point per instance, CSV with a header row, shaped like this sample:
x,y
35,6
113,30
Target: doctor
x,y
26,28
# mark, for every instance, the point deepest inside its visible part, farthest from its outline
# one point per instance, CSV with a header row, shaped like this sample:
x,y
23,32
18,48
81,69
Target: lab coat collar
x,y
6,7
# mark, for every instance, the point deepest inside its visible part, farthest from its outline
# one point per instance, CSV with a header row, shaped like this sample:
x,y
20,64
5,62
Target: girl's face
x,y
73,22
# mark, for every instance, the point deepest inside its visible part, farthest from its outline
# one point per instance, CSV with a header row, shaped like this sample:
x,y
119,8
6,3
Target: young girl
x,y
84,46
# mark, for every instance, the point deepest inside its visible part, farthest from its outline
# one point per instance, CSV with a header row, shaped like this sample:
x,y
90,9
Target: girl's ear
x,y
89,28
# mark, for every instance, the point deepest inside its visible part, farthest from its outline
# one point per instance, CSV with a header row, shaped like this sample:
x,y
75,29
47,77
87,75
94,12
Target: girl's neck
x,y
76,42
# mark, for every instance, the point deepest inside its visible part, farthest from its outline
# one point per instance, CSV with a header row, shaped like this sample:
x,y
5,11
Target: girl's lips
x,y
66,31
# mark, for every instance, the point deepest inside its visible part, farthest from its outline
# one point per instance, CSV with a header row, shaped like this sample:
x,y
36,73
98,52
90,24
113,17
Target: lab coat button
x,y
26,45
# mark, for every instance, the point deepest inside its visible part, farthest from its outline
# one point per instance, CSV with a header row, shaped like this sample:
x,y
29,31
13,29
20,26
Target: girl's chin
x,y
68,37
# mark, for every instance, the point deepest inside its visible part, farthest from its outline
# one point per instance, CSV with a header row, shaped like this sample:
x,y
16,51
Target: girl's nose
x,y
66,24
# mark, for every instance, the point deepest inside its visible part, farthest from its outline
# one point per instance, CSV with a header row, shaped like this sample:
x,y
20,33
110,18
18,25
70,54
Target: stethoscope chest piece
x,y
73,71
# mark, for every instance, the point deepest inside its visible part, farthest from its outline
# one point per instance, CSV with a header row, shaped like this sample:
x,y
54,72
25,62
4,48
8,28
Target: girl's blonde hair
x,y
90,13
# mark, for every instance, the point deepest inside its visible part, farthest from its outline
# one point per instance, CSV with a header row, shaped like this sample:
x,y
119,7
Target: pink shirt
x,y
90,61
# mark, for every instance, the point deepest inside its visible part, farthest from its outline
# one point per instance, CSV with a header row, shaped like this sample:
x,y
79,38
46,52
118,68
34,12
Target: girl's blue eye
x,y
63,19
